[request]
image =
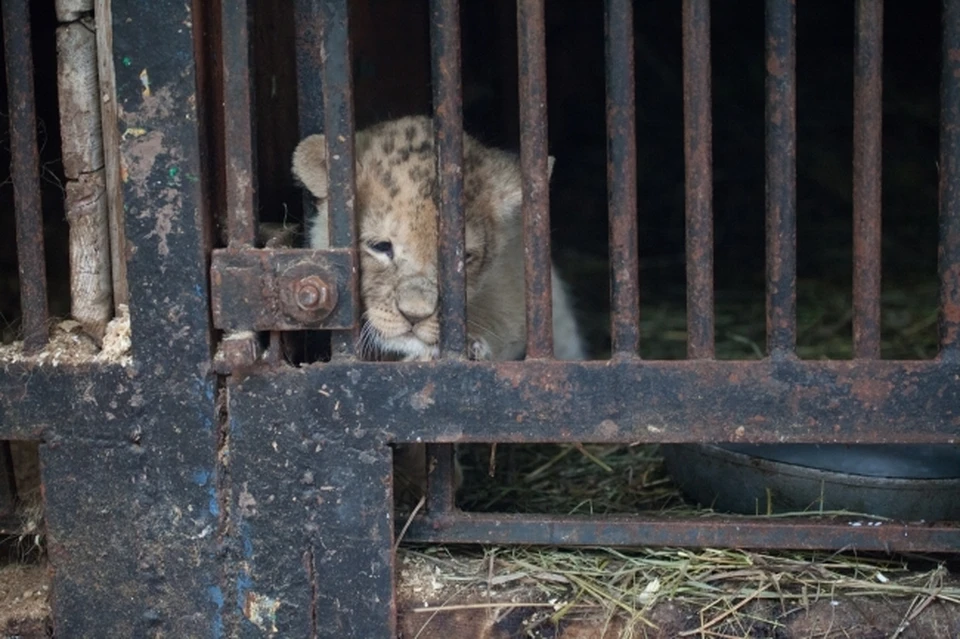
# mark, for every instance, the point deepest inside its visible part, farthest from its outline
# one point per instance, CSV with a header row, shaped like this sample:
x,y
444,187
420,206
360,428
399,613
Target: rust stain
x,y
159,105
163,227
513,375
608,429
141,150
871,392
774,67
422,400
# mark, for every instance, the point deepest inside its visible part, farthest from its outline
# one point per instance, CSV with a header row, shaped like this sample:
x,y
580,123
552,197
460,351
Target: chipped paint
x,y
261,611
145,81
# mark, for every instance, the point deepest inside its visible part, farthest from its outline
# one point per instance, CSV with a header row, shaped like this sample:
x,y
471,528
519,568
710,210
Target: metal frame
x,y
185,502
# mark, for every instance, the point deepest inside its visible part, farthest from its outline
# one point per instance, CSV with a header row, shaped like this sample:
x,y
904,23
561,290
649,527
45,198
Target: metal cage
x,y
210,488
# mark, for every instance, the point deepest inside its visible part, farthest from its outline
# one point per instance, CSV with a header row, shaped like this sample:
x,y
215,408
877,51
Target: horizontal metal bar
x,y
448,133
622,179
781,189
867,163
651,530
534,163
949,253
698,155
282,289
27,412
25,173
766,401
238,140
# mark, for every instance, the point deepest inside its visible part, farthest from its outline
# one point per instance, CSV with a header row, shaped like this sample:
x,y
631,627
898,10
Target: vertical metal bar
x,y
949,250
440,478
867,163
622,179
534,165
24,170
451,276
309,66
781,187
241,173
448,134
698,154
239,143
338,128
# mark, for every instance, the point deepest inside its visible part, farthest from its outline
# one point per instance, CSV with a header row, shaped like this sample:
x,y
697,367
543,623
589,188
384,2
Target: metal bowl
x,y
906,482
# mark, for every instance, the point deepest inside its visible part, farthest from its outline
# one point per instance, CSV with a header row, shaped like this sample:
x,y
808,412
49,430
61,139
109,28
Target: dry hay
x,y
68,345
667,593
497,592
24,600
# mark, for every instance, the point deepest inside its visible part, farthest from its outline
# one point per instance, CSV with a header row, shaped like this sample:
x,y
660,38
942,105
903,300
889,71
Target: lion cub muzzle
x,y
417,300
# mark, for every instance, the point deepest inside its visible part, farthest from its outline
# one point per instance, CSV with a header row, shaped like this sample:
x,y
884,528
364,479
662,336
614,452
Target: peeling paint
x,y
261,611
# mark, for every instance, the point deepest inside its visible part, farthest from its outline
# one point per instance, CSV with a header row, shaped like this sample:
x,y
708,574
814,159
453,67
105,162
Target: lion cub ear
x,y
310,165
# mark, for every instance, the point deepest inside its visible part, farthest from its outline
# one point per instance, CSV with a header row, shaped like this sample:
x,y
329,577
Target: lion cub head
x,y
396,205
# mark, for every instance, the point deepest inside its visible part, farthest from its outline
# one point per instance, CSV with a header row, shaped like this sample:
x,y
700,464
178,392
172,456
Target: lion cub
x,y
396,212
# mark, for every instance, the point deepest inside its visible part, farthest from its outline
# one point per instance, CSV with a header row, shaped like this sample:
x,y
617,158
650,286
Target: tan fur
x,y
395,202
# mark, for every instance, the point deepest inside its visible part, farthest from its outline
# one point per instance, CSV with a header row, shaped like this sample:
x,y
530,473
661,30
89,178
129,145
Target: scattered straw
x,y
68,345
721,586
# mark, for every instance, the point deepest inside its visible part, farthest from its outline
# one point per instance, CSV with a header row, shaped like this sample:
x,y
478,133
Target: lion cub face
x,y
396,204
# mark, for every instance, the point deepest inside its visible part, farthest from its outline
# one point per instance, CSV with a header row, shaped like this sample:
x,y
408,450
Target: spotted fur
x,y
396,206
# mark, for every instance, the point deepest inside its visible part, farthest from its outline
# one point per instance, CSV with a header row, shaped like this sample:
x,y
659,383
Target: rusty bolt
x,y
313,294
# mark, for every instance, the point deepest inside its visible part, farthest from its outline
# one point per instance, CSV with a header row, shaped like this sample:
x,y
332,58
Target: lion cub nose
x,y
417,299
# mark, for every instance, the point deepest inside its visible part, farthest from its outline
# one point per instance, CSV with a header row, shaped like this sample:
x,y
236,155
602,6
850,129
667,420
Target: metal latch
x,y
282,289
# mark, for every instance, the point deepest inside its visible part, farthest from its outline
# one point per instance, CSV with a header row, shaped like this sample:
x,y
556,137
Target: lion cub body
x,y
397,218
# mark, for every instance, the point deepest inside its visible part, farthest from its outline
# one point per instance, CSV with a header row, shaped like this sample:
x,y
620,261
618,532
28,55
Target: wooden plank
x,y
103,16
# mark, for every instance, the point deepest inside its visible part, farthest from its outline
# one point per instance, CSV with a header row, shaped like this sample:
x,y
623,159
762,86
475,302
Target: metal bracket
x,y
282,289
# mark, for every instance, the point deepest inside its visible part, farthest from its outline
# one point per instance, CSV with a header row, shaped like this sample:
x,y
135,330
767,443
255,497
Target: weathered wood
x,y
90,285
70,10
111,150
82,140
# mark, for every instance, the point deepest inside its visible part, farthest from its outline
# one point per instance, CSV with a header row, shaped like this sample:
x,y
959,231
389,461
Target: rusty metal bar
x,y
867,163
534,163
241,173
338,128
652,530
448,134
451,275
949,252
698,153
624,401
622,179
440,478
309,66
781,191
24,170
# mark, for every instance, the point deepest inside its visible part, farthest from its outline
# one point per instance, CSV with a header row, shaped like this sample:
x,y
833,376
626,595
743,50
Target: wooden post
x,y
91,285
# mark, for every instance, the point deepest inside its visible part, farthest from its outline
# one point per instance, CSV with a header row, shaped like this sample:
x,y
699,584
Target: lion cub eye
x,y
470,257
383,247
